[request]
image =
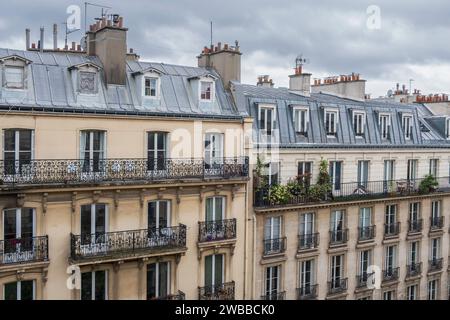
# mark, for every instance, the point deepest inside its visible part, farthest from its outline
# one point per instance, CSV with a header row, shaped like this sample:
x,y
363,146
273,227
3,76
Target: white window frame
x,y
270,291
17,143
389,170
93,284
435,248
307,219
300,127
5,82
435,208
412,166
213,269
364,213
212,87
19,221
414,208
432,289
150,77
19,289
414,252
303,272
157,208
364,260
389,292
333,274
214,199
93,218
215,151
390,256
157,291
266,108
272,227
91,144
407,120
333,165
334,126
434,167
384,132
359,128
411,292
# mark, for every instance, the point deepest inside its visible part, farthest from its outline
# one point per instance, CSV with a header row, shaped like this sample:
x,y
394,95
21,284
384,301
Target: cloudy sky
x,y
406,40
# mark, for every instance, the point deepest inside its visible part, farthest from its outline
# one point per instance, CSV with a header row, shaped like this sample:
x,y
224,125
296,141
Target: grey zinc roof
x,y
50,88
425,133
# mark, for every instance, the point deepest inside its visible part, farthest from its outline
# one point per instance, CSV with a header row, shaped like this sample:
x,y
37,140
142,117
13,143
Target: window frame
x,y
157,278
266,109
385,134
93,283
296,119
157,88
334,125
5,82
19,289
359,127
407,132
211,92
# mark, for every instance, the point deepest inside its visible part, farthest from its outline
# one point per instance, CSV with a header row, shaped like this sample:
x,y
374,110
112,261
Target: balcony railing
x,y
124,170
391,229
307,292
347,191
415,226
414,269
217,230
274,246
123,243
180,295
337,286
275,296
366,233
308,241
338,237
223,291
361,280
435,264
23,250
436,223
390,274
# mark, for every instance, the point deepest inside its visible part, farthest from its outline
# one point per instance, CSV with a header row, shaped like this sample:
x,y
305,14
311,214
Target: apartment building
x,y
120,179
373,232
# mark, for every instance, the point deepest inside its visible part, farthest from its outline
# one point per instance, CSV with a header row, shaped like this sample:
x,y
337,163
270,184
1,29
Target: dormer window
x,y
447,128
87,82
359,122
384,121
14,77
266,118
301,120
151,86
331,120
407,123
206,90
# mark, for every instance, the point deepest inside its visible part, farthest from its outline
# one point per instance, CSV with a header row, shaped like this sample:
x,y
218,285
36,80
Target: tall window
x,y
266,119
151,87
19,228
215,208
384,121
413,252
92,150
206,90
17,149
390,216
306,276
301,119
94,285
213,150
159,214
435,249
214,272
156,150
331,119
93,225
363,173
414,211
336,174
20,290
390,257
158,280
14,77
273,277
412,169
412,292
389,295
434,165
337,265
337,225
432,290
435,211
271,171
272,234
359,122
389,166
447,128
365,261
407,123
304,172
307,227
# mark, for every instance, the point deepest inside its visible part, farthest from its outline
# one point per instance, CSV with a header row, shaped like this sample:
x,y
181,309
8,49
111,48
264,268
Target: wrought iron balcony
x,y
338,237
348,191
415,226
275,296
126,243
366,233
120,170
274,246
180,295
308,241
338,285
435,264
307,292
224,291
436,223
217,230
391,229
390,274
414,269
361,280
23,250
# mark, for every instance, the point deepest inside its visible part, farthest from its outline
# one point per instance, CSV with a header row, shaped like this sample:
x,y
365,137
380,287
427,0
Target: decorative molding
x,y
116,266
44,276
160,193
178,194
44,202
234,189
74,202
141,263
116,198
141,197
218,189
177,258
201,193
20,201
96,196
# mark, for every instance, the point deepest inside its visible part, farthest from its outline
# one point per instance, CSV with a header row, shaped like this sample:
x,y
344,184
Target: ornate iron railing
x,y
436,223
435,264
391,229
414,269
390,274
366,233
125,243
337,285
415,226
24,250
338,237
347,191
307,292
308,241
216,230
274,296
361,279
274,246
223,291
95,171
180,295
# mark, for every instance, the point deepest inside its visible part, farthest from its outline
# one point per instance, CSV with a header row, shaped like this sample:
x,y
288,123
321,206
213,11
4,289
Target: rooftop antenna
x,y
211,33
67,33
86,4
299,62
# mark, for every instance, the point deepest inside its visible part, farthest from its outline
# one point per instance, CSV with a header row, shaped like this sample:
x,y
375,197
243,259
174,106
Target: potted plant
x,y
279,194
428,184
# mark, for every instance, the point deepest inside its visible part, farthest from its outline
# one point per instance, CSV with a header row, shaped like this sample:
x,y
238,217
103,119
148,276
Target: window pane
x,y
163,214
100,218
25,140
27,223
86,286
10,140
26,290
152,214
151,280
11,291
208,270
219,204
100,285
218,269
163,277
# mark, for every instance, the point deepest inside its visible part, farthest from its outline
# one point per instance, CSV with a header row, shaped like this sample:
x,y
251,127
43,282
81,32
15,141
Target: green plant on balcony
x,y
279,194
428,184
322,188
296,187
261,180
391,188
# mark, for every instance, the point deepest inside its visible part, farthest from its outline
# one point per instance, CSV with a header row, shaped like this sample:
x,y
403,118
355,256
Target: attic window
x,y
447,128
206,90
359,120
407,126
331,120
87,82
14,77
151,87
301,119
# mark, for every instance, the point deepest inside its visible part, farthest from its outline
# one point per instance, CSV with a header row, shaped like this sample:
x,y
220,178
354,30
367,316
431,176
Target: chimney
x,y
41,42
265,81
107,40
300,82
345,86
27,38
225,60
55,36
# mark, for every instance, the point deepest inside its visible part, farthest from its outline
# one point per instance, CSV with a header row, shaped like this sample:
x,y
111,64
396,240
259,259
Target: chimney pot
x,y
120,22
27,38
33,45
109,23
41,42
219,45
55,36
131,50
225,46
78,47
73,46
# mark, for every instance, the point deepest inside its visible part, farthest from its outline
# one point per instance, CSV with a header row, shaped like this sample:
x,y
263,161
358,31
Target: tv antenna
x,y
300,61
67,33
104,12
